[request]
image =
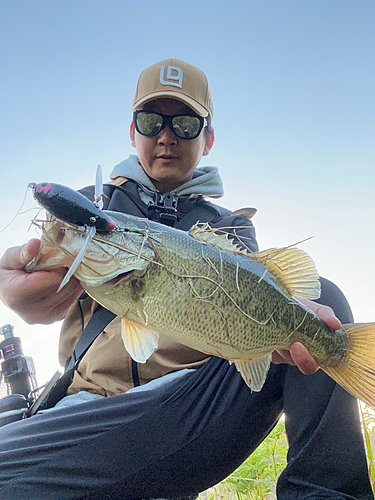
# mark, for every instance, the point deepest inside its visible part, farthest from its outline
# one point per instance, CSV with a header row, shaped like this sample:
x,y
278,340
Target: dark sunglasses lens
x,y
186,127
149,123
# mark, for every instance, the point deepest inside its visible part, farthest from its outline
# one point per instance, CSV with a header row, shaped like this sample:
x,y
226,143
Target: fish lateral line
x,y
128,250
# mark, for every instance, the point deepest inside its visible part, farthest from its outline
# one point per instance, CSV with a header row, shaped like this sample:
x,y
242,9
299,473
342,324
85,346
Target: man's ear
x,y
210,139
132,134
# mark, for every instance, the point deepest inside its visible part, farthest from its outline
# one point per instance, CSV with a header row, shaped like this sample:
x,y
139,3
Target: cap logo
x,y
171,78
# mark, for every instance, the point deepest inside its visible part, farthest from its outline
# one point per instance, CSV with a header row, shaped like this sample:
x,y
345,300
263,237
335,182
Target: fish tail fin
x,y
356,373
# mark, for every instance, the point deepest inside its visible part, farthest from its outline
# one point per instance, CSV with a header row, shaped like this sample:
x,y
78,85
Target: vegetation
x,y
368,425
256,478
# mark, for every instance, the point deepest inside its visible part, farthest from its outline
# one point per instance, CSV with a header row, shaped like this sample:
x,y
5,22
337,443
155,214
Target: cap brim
x,y
194,105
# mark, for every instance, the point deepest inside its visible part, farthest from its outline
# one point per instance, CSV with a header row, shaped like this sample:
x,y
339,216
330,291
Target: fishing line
x,y
30,210
34,221
18,212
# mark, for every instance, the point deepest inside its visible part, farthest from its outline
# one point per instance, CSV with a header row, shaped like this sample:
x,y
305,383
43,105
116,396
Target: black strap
x,y
201,213
98,321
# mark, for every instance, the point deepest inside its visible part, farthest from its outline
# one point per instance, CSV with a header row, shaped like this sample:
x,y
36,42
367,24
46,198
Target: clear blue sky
x,y
293,90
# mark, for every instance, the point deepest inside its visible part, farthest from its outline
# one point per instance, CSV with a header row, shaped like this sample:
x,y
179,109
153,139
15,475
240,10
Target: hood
x,y
206,181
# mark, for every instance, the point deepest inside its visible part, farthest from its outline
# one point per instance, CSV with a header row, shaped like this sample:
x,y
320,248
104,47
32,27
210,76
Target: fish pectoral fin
x,y
254,372
139,340
294,269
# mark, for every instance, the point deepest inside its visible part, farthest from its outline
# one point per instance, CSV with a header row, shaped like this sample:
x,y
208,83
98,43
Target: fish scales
x,y
218,302
202,291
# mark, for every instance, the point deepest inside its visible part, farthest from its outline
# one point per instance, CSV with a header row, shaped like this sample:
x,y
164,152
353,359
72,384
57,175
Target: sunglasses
x,y
184,126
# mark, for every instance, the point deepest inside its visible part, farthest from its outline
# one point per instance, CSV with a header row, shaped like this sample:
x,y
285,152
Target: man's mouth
x,y
167,157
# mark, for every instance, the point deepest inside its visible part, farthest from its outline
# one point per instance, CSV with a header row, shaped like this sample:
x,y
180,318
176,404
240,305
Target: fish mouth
x,y
125,275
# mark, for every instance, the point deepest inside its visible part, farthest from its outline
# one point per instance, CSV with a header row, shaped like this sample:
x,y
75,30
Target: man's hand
x,y
33,295
297,354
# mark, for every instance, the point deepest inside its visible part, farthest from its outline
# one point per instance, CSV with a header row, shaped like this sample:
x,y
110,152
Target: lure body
x,y
69,205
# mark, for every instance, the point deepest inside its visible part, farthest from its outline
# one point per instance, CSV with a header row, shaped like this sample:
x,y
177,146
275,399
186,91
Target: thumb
x,y
16,258
28,251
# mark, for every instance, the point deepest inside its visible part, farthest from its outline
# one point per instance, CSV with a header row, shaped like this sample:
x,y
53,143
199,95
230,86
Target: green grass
x,y
368,426
256,478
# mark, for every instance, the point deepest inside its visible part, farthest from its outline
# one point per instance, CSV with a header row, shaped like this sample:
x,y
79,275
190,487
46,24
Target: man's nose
x,y
167,136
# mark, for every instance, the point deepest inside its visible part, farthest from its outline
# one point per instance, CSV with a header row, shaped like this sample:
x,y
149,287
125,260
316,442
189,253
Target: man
x,y
182,421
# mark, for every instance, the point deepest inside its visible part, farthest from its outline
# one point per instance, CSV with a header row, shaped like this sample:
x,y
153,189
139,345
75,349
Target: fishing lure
x,y
72,207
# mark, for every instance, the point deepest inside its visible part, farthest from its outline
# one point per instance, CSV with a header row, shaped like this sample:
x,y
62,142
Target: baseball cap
x,y
178,80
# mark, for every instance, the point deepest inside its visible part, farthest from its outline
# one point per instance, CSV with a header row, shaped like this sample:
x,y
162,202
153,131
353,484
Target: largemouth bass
x,y
202,290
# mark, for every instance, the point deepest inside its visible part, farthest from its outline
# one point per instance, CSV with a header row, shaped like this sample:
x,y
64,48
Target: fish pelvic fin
x,y
254,372
294,269
356,372
139,340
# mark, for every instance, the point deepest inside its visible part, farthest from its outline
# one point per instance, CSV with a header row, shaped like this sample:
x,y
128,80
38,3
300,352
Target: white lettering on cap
x,y
172,79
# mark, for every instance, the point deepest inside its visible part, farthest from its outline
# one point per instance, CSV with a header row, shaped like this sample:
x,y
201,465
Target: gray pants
x,y
189,434
186,436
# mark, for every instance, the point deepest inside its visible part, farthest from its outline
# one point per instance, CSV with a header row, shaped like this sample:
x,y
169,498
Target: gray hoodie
x,y
206,181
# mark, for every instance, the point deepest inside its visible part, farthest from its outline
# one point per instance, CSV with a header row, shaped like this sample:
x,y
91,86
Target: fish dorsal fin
x,y
218,238
139,340
294,269
245,212
254,372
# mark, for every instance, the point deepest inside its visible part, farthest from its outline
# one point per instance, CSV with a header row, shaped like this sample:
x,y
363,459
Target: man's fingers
x,y
325,313
59,311
303,359
296,355
282,356
44,285
34,296
16,258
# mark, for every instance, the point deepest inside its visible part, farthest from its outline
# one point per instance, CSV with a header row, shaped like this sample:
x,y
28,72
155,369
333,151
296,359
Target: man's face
x,y
168,160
